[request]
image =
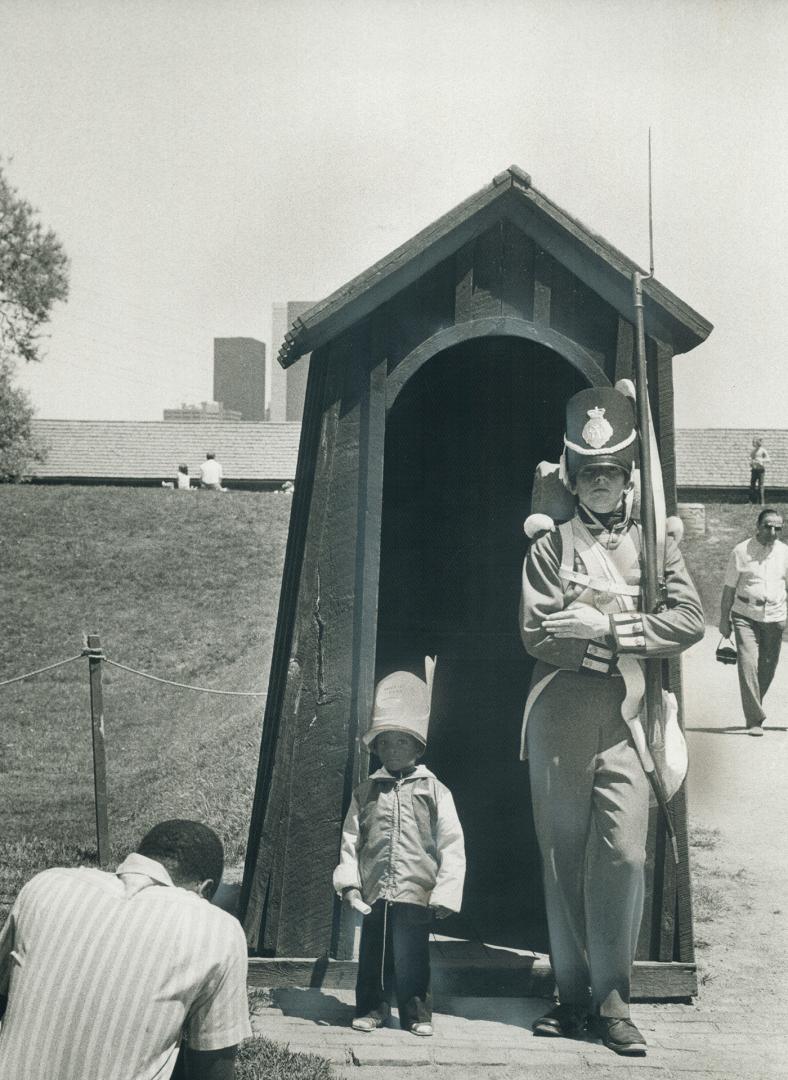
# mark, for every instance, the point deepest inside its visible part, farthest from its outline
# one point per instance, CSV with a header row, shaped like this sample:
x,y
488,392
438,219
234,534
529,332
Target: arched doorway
x,y
462,440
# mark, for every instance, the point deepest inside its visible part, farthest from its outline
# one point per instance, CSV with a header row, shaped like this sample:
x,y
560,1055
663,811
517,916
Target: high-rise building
x,y
239,376
206,410
287,387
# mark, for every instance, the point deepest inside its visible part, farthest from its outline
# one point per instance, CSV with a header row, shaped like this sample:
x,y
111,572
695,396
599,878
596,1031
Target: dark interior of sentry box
x,y
462,441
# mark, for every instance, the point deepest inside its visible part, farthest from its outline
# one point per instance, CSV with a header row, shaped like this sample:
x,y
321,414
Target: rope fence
x,y
134,671
96,658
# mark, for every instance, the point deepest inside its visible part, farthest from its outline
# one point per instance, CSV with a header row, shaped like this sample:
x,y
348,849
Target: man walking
x,y
582,620
103,975
754,606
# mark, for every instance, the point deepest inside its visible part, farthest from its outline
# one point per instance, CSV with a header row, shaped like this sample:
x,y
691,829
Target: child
x,y
402,858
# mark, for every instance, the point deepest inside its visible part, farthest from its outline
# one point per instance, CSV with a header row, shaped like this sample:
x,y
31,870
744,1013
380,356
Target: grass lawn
x,y
184,586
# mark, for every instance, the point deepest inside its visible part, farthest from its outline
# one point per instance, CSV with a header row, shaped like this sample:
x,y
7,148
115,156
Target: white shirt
x,y
758,575
103,973
211,472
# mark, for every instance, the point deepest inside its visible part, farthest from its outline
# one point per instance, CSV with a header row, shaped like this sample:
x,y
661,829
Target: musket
x,y
651,559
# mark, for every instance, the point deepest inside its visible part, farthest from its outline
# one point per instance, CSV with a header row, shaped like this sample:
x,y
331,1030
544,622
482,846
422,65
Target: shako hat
x,y
402,703
600,430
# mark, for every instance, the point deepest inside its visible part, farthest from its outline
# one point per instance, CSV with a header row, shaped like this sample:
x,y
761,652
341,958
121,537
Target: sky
x,y
201,160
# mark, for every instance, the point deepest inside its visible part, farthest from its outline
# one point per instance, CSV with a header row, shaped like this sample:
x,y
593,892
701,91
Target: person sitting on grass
x,y
104,975
402,858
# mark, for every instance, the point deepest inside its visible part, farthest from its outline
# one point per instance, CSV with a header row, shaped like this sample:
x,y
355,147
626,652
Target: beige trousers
x,y
590,800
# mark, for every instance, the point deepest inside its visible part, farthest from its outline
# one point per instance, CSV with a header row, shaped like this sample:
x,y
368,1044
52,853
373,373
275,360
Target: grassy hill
x,y
184,586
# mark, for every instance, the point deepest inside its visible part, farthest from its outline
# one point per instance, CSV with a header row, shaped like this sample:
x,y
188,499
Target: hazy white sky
x,y
201,159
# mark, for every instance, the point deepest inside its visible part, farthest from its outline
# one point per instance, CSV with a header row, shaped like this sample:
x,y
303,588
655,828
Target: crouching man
x,y
103,975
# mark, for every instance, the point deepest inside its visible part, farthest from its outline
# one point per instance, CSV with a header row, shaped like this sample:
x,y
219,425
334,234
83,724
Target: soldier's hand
x,y
441,912
583,622
725,627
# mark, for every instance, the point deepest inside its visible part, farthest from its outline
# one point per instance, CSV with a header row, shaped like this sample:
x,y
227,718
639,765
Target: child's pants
x,y
394,957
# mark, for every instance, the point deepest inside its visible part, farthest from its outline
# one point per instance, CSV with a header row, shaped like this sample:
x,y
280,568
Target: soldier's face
x,y
600,487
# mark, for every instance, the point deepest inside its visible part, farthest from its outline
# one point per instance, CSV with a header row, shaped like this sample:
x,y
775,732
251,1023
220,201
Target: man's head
x,y
191,853
210,456
770,523
757,441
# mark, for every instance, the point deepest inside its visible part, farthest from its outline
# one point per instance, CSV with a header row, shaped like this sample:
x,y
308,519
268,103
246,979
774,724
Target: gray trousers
x,y
758,645
590,800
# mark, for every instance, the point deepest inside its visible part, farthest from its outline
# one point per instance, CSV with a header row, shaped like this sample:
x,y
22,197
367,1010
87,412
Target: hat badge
x,y
597,430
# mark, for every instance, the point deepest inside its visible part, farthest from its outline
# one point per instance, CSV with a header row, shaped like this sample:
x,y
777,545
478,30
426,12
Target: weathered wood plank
x,y
269,804
625,350
517,272
487,273
663,373
515,977
372,437
543,284
463,287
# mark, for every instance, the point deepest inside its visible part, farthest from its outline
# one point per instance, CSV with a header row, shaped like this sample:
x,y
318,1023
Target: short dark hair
x,y
191,850
210,454
769,510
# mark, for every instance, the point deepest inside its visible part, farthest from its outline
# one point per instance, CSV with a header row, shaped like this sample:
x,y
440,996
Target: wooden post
x,y
95,656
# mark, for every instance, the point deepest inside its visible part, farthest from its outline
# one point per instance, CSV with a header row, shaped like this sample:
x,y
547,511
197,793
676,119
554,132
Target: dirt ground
x,y
738,799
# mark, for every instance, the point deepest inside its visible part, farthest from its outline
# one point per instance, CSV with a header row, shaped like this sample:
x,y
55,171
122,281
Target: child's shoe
x,y
366,1023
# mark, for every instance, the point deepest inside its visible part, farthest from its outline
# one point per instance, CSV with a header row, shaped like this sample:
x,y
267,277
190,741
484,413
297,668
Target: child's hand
x,y
442,912
352,897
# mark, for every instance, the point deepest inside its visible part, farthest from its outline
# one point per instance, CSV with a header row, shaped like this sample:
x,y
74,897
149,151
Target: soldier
x,y
580,617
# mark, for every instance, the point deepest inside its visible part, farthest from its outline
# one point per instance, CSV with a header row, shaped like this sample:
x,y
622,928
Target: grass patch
x,y
702,839
261,1059
184,587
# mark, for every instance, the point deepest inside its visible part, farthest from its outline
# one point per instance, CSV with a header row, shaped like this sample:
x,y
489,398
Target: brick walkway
x,y
736,1030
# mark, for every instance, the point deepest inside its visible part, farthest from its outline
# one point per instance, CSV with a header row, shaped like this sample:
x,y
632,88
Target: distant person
x,y
759,459
182,479
211,473
287,488
754,607
106,975
402,859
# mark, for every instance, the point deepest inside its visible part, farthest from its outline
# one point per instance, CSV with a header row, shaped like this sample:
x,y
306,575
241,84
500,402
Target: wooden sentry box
x,y
438,379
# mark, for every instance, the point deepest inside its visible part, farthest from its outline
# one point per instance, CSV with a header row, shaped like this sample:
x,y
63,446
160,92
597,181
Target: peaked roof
x,y
511,195
152,450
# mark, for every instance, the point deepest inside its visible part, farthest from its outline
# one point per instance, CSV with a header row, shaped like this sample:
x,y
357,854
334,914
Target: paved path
x,y
736,1030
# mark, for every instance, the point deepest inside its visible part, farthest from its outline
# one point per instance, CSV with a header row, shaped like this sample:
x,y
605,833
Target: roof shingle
x,y
152,450
720,457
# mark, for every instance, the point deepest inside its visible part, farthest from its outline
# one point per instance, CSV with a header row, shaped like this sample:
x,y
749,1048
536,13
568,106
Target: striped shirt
x,y
105,972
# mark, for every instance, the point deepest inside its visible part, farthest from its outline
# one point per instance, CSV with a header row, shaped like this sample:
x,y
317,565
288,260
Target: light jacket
x,y
402,841
547,587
